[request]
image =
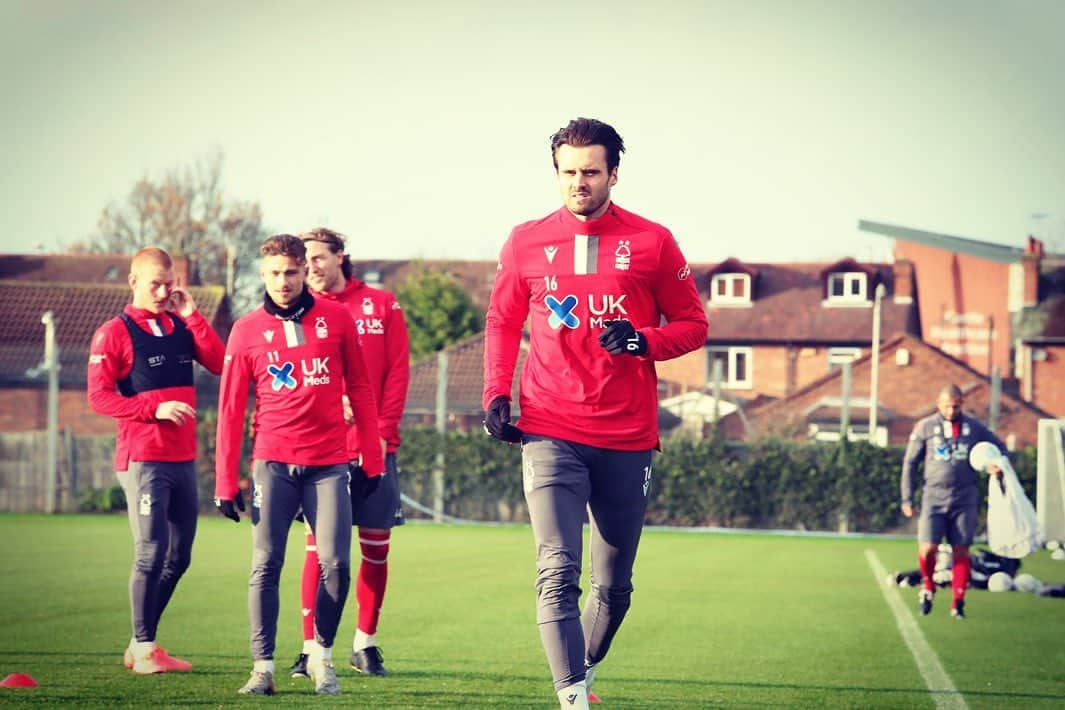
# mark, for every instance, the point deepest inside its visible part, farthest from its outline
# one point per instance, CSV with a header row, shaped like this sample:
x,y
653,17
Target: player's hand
x,y
349,414
907,510
229,508
362,485
620,338
497,421
175,411
181,302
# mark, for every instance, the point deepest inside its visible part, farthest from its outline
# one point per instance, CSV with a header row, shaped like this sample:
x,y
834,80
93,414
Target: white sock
x,y
265,665
589,676
141,649
363,640
574,697
319,652
308,646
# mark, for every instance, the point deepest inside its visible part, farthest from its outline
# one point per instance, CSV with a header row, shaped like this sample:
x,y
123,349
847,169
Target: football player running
x,y
607,293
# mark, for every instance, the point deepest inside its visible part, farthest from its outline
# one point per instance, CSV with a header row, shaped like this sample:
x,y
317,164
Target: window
x,y
847,287
730,289
838,356
736,366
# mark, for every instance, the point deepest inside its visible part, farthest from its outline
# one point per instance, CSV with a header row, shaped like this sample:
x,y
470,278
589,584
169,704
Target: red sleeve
x,y
396,375
210,350
507,311
232,406
678,301
363,406
110,360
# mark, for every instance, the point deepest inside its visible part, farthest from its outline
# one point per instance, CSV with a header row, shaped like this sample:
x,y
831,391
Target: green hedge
x,y
713,482
773,484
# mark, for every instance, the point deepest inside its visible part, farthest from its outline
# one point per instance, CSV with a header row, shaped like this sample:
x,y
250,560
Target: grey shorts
x,y
955,523
383,509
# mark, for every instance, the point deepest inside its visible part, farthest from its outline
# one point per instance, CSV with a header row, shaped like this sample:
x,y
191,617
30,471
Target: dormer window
x,y
730,289
847,287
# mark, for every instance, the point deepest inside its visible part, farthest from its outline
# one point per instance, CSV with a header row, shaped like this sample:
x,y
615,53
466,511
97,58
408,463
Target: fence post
x,y
51,363
441,428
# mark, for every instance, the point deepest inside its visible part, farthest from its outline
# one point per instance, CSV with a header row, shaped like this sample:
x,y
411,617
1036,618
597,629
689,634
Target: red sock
x,y
960,573
927,565
372,578
309,587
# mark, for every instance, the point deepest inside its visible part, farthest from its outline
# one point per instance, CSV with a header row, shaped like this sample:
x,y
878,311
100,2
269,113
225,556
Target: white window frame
x,y
850,279
838,356
730,298
728,377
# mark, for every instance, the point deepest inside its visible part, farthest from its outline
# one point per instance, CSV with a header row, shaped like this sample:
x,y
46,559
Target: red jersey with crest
x,y
571,278
142,437
299,370
385,345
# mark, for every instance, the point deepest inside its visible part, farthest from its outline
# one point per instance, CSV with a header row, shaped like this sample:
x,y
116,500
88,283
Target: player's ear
x,y
614,176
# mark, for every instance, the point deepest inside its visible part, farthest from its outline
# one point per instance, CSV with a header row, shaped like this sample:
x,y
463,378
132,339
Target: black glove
x,y
620,338
497,421
362,486
229,508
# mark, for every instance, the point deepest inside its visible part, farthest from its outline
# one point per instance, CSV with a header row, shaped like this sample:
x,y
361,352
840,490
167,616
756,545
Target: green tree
x,y
437,310
187,213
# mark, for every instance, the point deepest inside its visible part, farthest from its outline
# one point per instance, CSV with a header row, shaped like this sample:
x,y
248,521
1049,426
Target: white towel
x,y
1012,527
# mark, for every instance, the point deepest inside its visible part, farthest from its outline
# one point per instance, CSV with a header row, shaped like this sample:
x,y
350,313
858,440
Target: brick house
x,y
991,306
1039,332
910,374
776,327
31,286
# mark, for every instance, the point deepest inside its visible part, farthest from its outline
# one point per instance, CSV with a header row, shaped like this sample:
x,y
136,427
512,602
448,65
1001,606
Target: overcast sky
x,y
763,130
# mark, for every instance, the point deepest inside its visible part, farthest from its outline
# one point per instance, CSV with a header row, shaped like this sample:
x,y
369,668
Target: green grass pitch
x,y
718,620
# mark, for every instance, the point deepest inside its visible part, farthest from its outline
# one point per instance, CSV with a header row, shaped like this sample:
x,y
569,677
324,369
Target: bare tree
x,y
187,213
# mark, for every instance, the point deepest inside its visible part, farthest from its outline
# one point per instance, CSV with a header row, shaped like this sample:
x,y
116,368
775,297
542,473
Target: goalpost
x,y
1050,479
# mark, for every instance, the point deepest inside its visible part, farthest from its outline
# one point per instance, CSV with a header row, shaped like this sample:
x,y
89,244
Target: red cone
x,y
18,680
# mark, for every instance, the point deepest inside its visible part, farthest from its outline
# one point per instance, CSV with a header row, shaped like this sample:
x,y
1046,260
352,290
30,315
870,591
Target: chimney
x,y
1030,262
904,286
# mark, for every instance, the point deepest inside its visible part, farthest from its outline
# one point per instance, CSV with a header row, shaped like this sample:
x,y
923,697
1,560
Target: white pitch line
x,y
944,694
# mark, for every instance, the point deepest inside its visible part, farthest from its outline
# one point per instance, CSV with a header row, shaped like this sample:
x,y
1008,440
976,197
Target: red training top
x,y
299,369
385,347
573,278
142,437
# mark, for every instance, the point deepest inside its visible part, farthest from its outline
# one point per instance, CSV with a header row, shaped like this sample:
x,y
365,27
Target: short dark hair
x,y
335,242
581,132
952,391
285,245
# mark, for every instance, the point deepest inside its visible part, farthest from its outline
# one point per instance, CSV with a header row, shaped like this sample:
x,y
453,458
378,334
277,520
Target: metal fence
x,y
83,463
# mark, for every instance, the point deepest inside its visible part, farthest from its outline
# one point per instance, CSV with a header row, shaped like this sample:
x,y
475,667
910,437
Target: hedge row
x,y
713,482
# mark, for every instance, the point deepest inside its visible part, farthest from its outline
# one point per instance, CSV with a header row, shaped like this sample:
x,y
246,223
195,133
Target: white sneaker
x,y
574,697
260,683
324,676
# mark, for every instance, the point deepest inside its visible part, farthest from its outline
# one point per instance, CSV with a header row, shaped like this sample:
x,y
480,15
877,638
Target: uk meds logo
x,y
282,375
562,312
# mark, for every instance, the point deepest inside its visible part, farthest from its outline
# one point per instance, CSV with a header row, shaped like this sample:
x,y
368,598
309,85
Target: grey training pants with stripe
x,y
162,504
562,480
279,491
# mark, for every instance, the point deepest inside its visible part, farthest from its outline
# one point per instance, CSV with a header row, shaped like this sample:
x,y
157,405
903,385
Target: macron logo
x,y
550,252
269,335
